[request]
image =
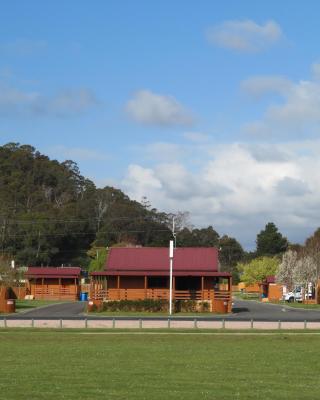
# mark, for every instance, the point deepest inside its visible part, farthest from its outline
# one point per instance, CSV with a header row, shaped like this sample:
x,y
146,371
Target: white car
x,y
297,294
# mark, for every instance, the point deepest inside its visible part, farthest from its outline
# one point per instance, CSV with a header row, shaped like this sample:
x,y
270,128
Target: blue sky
x,y
207,107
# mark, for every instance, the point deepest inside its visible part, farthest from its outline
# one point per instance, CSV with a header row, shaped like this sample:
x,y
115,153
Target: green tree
x,y
230,254
258,269
98,256
270,241
205,237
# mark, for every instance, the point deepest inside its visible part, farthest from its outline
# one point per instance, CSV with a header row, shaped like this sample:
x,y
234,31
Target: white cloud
x,y
298,113
239,188
260,85
162,151
151,108
65,103
77,153
315,68
197,137
292,187
71,102
245,35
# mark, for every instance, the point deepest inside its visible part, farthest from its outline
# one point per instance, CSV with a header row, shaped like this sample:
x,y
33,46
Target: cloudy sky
x,y
202,106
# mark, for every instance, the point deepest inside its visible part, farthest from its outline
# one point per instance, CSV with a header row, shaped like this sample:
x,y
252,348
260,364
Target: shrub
x,y
147,305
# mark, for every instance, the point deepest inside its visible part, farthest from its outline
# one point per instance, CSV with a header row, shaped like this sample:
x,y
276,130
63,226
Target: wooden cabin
x,y
53,283
143,273
270,290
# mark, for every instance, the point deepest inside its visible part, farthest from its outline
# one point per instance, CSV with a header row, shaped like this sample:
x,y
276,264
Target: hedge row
x,y
149,305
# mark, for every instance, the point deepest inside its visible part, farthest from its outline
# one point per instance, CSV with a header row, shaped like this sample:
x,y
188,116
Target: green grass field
x,y
150,314
26,305
158,365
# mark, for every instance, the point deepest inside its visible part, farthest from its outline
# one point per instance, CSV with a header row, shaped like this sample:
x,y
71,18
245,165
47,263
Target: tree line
x,y
291,264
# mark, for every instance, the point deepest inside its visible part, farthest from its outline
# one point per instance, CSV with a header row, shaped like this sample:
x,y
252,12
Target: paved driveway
x,y
61,310
244,310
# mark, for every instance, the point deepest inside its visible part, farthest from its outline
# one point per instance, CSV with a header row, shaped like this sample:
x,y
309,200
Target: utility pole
x,y
171,273
173,232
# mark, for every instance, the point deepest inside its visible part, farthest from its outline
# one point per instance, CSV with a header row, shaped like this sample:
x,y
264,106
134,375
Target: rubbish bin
x,y
83,296
10,306
221,306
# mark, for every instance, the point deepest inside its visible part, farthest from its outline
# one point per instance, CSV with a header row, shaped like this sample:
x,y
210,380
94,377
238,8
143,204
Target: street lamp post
x,y
171,265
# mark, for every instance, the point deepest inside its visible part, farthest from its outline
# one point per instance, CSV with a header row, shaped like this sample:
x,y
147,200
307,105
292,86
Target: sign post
x,y
171,262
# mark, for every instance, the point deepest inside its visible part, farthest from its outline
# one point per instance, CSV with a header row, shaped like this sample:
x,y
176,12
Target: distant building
x,y
53,283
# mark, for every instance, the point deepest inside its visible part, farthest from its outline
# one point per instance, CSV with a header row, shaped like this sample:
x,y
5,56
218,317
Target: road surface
x,y
243,310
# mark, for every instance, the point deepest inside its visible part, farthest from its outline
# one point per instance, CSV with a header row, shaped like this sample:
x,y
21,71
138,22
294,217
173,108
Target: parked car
x,y
297,294
294,295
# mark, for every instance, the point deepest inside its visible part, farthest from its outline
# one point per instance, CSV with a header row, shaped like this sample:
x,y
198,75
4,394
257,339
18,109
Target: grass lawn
x,y
130,365
150,314
25,305
300,305
246,296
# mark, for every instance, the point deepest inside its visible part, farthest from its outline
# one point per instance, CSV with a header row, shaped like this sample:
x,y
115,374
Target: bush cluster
x,y
149,305
191,306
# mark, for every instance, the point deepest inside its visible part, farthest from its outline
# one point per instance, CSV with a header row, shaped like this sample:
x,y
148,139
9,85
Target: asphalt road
x,y
61,310
246,310
242,311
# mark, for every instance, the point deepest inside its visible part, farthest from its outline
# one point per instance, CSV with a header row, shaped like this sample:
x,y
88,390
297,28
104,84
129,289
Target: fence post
x,y
195,323
140,323
223,323
169,323
32,323
279,324
113,323
60,323
5,322
305,324
86,323
251,324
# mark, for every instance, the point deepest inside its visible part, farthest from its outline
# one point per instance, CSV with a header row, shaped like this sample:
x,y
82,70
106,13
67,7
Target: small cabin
x,y
270,290
143,273
53,283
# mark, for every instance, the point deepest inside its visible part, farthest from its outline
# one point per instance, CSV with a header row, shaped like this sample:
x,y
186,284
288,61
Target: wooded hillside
x,y
51,214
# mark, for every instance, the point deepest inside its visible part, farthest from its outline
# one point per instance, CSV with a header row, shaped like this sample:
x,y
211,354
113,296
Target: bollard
x,y
251,324
140,323
86,323
195,323
223,324
279,324
113,323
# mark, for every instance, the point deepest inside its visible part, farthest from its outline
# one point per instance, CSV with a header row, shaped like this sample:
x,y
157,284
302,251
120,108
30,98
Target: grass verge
x,y
25,305
174,366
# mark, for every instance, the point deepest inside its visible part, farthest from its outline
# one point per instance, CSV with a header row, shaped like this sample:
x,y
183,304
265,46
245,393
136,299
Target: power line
x,y
67,221
87,233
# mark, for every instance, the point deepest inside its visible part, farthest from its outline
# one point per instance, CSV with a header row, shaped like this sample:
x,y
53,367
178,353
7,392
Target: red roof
x,y
271,279
187,261
53,272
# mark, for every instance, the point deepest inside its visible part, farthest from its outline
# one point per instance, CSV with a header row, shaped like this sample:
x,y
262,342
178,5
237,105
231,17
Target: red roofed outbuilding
x,y
270,290
143,273
54,283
